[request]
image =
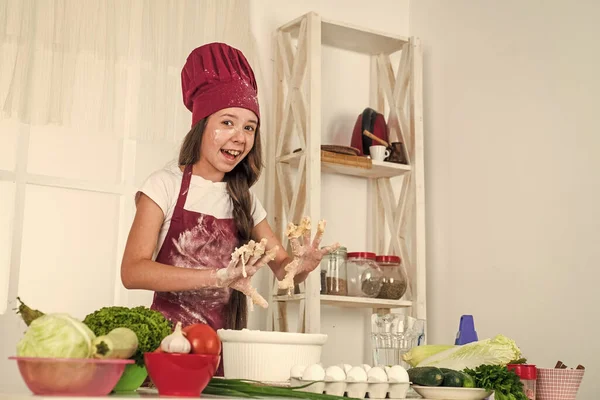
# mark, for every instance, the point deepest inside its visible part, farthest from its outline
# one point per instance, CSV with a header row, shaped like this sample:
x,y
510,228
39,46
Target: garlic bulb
x,y
176,342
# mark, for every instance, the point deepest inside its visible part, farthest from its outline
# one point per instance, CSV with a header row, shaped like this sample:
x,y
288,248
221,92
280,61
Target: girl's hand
x,y
245,262
307,255
244,285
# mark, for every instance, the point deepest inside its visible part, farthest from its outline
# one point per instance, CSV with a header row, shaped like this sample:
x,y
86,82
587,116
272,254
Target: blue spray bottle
x,y
466,331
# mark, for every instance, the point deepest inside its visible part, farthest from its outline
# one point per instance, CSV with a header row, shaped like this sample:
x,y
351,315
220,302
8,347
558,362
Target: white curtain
x,y
110,66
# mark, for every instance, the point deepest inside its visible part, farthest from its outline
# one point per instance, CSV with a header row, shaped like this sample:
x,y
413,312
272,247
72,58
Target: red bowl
x,y
184,375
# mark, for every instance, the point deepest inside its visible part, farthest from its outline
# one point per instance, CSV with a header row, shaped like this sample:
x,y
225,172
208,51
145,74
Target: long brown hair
x,y
239,180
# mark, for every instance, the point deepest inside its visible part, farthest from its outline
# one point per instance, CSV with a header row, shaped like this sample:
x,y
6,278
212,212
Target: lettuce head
x,y
56,336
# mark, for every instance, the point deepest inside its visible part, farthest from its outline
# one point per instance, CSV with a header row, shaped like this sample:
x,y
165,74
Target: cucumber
x,y
426,376
453,378
469,381
120,343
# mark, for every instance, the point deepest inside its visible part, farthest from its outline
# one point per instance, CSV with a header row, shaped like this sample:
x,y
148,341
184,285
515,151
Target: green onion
x,y
226,392
253,389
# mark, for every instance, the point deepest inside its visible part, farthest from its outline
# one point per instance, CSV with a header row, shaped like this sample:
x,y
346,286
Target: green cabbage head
x,y
56,335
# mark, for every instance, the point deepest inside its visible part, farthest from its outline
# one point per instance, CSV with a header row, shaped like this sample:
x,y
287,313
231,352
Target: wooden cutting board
x,y
334,148
344,159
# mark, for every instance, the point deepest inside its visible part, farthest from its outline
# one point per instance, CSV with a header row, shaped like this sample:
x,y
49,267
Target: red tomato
x,y
203,338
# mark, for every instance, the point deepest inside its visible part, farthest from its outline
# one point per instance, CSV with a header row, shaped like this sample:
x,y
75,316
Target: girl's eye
x,y
228,123
250,128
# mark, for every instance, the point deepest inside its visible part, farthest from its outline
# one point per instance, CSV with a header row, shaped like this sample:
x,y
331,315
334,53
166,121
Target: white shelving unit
x,y
296,175
379,169
348,302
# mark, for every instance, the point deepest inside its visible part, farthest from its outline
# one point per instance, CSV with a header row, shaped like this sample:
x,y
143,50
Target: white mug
x,y
379,153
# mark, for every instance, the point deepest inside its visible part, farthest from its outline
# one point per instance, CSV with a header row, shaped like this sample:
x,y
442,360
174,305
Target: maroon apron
x,y
196,240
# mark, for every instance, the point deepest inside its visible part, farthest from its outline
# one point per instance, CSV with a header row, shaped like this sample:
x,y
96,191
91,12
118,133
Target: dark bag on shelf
x,y
373,122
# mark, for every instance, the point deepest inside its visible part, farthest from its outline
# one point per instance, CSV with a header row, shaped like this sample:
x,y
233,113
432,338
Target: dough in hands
x,y
293,233
243,254
250,254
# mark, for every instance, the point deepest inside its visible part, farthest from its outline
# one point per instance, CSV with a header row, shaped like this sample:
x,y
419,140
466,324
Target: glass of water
x,y
392,335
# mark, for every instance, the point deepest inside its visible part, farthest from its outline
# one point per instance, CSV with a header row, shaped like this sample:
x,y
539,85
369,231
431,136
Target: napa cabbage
x,y
499,350
419,353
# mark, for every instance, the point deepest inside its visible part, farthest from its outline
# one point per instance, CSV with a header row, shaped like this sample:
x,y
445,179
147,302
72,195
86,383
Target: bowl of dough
x,y
353,381
267,356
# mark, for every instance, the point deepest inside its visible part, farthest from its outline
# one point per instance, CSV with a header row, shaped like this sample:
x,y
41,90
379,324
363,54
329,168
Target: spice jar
x,y
323,272
364,276
528,376
394,281
336,279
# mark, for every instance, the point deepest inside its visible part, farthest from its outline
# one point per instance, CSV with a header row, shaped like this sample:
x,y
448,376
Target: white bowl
x,y
451,393
267,356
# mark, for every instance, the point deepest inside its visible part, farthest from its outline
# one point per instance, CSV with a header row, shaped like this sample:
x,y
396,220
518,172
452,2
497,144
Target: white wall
x,y
511,131
345,93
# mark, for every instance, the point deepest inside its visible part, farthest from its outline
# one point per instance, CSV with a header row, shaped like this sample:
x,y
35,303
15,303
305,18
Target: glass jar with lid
x,y
364,275
394,281
323,274
336,279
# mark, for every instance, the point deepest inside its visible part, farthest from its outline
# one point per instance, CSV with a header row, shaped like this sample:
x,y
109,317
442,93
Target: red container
x,y
70,376
183,375
528,375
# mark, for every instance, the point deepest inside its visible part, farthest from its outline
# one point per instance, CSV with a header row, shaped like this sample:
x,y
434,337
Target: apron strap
x,y
183,192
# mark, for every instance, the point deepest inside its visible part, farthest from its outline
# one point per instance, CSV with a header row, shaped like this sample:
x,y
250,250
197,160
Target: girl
x,y
198,211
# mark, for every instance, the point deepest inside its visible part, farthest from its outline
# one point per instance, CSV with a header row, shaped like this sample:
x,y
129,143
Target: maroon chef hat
x,y
217,76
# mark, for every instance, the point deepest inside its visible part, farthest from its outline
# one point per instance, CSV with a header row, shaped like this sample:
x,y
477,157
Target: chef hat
x,y
217,76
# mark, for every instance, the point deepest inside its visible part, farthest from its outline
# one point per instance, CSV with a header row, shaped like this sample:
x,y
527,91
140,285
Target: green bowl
x,y
132,379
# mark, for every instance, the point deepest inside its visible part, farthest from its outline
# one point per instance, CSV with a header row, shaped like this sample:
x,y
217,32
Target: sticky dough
x,y
250,254
294,232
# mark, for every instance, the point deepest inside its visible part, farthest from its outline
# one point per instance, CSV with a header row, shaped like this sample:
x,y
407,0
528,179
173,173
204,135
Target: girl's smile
x,y
228,138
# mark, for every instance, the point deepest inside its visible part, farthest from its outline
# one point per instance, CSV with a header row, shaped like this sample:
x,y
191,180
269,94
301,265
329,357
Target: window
x,y
66,203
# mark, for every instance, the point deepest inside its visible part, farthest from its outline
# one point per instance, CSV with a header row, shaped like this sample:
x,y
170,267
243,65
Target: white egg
x,y
334,374
398,374
377,374
313,372
366,367
297,370
356,374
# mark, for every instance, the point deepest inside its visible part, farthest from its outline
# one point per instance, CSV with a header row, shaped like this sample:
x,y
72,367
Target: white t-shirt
x,y
204,196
